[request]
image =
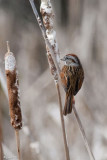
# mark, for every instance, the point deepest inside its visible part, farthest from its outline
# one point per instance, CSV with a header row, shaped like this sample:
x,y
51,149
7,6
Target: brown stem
x,y
62,123
1,151
18,143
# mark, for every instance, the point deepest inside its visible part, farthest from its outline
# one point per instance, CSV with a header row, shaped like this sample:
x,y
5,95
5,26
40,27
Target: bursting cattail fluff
x,y
13,90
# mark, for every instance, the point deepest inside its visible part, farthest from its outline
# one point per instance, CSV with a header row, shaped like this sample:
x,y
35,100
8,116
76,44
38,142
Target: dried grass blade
x,y
83,134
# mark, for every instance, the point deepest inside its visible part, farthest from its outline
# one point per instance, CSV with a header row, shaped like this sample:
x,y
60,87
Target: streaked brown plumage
x,y
72,76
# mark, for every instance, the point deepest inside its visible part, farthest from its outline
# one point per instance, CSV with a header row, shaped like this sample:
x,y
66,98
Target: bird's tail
x,y
68,104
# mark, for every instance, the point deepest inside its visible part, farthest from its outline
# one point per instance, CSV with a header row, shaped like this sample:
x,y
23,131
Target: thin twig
x,y
1,151
18,143
83,133
62,123
8,47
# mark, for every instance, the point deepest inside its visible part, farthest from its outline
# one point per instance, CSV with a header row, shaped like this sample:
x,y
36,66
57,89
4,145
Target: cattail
x,y
51,45
48,20
13,90
52,53
47,15
13,94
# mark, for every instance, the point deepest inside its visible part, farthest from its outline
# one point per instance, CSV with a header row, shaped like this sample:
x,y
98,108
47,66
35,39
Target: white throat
x,y
72,64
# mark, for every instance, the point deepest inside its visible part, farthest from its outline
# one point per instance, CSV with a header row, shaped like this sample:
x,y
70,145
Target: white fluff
x,y
10,62
51,36
46,8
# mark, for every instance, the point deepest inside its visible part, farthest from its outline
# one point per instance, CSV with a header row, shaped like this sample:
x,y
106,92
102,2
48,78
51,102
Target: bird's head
x,y
71,59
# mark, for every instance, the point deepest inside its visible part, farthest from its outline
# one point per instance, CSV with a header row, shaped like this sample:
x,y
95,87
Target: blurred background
x,y
81,27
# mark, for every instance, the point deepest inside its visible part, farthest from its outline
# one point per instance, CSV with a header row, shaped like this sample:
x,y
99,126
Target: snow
x,y
10,62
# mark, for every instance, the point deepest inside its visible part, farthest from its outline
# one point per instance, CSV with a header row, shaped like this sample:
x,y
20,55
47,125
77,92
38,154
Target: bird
x,y
72,77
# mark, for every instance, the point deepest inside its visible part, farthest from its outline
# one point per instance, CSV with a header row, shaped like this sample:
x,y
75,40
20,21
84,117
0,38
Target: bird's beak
x,y
62,59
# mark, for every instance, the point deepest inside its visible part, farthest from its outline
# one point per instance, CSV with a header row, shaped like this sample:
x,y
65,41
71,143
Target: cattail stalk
x,y
47,15
52,54
83,133
57,67
4,88
13,94
1,151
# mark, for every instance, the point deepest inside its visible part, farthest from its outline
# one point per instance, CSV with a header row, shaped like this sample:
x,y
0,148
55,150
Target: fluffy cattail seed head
x,y
13,90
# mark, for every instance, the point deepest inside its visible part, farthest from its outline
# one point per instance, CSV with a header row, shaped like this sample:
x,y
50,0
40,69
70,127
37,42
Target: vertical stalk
x,y
13,94
1,151
83,133
52,51
18,143
62,123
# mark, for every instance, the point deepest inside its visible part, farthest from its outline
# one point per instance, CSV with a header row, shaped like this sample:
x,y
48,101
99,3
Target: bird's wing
x,y
79,81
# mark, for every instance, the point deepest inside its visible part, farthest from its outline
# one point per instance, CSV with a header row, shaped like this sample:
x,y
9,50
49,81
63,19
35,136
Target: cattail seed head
x,y
48,17
10,61
13,90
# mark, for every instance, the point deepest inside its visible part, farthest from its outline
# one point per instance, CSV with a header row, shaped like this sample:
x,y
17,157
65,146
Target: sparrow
x,y
72,77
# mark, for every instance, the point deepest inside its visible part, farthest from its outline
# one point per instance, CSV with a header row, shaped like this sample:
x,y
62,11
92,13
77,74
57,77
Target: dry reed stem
x,y
18,143
47,15
83,133
1,151
51,50
53,58
13,94
62,122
